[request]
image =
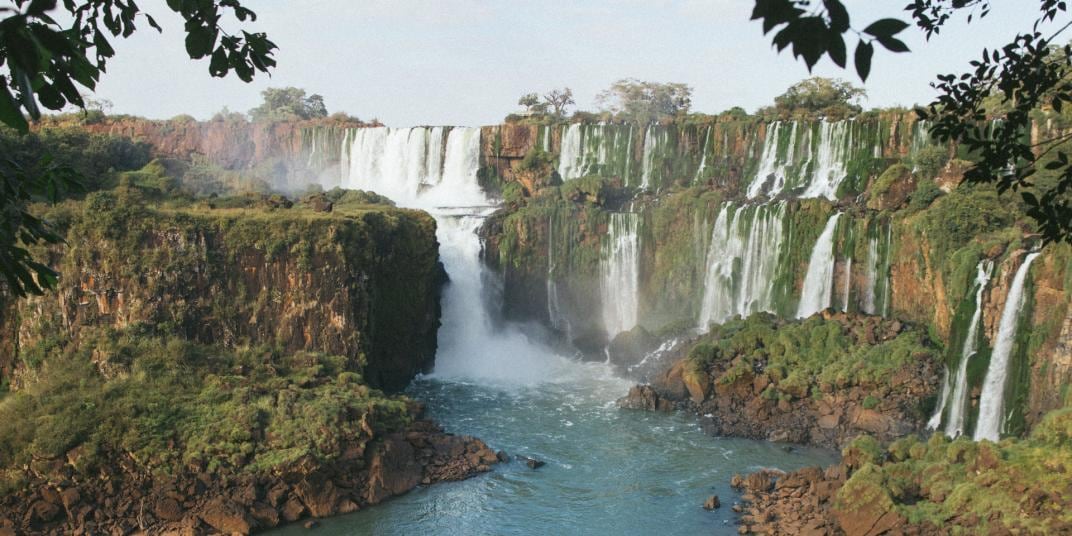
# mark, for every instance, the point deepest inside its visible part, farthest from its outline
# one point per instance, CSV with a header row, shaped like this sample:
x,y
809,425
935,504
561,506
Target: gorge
x,y
788,284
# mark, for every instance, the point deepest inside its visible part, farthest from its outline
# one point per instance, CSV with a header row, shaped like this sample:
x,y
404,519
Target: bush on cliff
x,y
801,357
166,403
1019,486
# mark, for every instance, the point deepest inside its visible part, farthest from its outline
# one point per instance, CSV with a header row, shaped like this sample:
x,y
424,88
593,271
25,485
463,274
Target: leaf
x,y
893,44
839,16
199,41
219,66
10,113
1029,198
886,27
836,49
864,52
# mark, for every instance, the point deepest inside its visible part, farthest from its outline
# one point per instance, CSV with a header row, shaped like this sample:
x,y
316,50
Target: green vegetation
x,y
166,403
817,97
808,354
1021,486
288,104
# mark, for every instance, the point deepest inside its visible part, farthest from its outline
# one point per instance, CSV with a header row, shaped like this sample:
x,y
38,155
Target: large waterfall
x,y
809,161
620,273
992,399
594,150
958,404
819,281
742,261
418,168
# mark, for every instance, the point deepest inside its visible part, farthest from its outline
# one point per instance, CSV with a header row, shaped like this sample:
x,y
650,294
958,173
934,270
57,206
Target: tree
x,y
532,104
819,95
1019,77
558,100
288,103
50,49
645,101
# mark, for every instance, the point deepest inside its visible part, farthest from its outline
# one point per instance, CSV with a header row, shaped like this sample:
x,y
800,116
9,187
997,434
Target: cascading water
x,y
742,260
819,281
871,277
846,291
593,150
703,159
647,161
554,310
408,165
620,273
774,161
992,399
814,164
958,404
831,156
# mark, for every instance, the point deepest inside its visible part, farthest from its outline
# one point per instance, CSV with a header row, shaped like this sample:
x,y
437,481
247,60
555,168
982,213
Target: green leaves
x,y
814,30
862,59
47,64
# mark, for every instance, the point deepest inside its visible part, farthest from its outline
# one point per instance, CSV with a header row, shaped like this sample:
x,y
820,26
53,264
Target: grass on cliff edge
x,y
1024,486
802,357
167,403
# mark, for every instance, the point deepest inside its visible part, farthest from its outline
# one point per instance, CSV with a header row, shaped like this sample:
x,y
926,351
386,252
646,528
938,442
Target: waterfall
x,y
620,271
871,276
703,158
570,153
554,310
992,399
742,260
546,133
593,150
832,154
848,284
417,169
814,164
819,282
958,404
886,283
772,168
647,161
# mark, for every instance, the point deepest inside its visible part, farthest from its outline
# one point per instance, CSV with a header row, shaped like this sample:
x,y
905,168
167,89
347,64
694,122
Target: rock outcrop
x,y
124,500
739,397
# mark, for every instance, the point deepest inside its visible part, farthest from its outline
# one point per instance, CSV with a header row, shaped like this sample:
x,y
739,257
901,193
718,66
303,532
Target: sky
x,y
466,62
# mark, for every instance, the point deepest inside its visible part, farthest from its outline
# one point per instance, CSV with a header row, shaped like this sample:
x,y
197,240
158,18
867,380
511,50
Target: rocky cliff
x,y
361,284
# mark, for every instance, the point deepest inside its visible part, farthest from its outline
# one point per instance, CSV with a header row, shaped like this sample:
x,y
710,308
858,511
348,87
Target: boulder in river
x,y
533,463
712,503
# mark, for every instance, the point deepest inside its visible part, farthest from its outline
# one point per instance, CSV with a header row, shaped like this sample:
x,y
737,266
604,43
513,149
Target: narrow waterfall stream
x,y
620,270
958,404
992,399
609,471
818,288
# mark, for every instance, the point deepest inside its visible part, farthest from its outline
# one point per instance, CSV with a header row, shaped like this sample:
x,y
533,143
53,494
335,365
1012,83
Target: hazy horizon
x,y
466,62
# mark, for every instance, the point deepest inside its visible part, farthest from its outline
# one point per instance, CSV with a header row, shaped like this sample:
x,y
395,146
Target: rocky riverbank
x,y
123,498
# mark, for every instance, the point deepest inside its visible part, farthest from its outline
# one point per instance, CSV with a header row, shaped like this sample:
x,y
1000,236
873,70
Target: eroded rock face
x,y
194,502
365,288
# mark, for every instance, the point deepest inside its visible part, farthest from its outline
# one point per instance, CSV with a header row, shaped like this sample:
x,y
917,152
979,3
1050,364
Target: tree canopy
x,y
281,104
644,102
1021,77
821,96
48,50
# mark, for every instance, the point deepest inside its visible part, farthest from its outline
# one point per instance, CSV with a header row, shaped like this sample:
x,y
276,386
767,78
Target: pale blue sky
x,y
414,62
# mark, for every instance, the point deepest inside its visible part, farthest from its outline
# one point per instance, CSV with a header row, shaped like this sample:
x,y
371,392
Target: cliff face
x,y
361,285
